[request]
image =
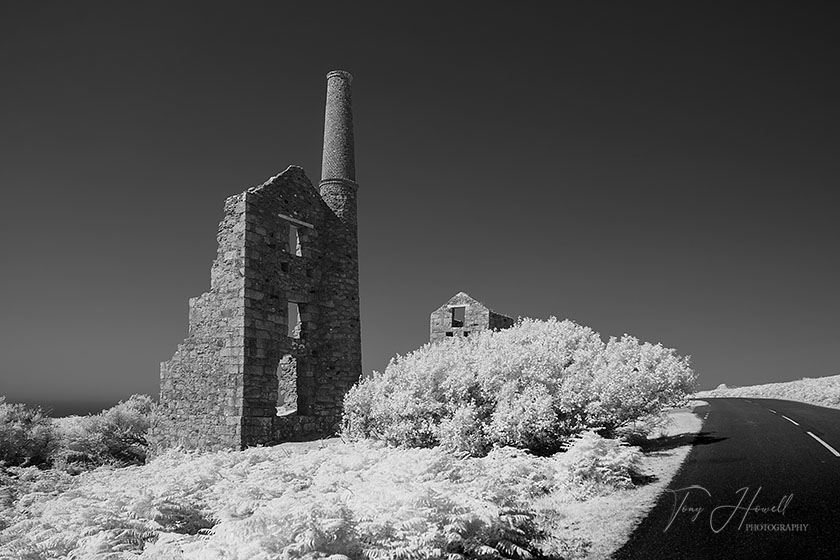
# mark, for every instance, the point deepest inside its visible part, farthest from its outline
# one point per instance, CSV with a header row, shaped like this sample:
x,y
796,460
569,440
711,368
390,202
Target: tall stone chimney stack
x,y
338,168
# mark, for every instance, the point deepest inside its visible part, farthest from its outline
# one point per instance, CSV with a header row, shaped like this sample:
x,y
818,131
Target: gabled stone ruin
x,y
276,342
462,315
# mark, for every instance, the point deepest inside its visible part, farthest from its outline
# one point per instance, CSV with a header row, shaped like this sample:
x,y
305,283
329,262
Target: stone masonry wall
x,y
201,386
499,321
324,283
255,279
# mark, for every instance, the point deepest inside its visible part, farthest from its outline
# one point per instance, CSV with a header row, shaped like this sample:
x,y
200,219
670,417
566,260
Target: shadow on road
x,y
671,442
641,479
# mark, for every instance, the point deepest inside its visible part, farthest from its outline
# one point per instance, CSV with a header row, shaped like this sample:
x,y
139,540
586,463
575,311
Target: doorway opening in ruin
x,y
287,385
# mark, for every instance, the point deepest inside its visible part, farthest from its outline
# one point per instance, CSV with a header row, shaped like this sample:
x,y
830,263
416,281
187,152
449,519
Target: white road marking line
x,y
773,411
789,420
834,451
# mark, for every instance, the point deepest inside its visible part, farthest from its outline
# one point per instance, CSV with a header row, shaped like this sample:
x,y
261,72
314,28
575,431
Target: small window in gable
x,y
294,324
458,316
294,241
450,333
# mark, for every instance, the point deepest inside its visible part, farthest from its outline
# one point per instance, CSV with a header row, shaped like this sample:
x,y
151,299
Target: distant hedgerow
x,y
821,391
116,436
531,386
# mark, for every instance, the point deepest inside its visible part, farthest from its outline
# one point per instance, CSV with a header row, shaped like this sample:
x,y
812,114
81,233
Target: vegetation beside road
x,y
822,391
531,386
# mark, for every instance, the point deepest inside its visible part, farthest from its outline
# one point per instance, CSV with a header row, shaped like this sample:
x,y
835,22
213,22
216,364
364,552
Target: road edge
x,y
608,521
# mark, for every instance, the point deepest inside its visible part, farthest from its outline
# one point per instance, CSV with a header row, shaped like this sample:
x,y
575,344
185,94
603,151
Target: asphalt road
x,y
754,485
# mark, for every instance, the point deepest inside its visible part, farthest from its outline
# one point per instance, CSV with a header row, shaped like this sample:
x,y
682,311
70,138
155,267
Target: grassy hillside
x,y
363,500
496,446
822,391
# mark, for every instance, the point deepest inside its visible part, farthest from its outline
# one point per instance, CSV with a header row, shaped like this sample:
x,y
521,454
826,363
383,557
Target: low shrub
x,y
599,465
531,386
115,436
27,435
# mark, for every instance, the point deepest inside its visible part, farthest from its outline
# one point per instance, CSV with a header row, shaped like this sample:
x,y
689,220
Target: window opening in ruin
x,y
294,324
466,333
284,266
450,333
294,241
458,315
286,385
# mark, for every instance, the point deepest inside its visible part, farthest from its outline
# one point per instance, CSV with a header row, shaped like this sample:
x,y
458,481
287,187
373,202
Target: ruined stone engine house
x,y
276,343
463,315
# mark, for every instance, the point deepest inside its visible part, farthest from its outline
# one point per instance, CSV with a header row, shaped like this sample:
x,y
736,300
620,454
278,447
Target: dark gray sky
x,y
668,170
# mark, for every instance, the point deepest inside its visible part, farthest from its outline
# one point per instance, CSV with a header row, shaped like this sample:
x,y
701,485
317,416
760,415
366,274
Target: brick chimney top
x,y
339,160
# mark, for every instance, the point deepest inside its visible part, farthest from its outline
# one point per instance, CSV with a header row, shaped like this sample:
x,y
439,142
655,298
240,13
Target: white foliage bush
x,y
599,465
532,386
636,381
116,435
27,436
